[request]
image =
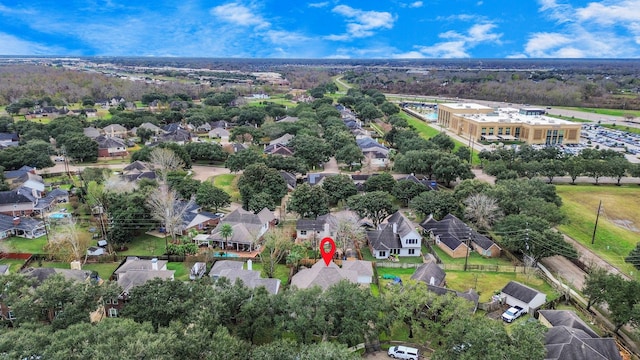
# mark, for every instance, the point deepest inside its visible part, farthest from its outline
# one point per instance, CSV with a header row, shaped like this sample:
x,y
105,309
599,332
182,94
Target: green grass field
x,y
610,112
148,245
182,270
622,128
619,222
281,273
14,264
474,259
569,118
22,245
228,183
104,270
487,283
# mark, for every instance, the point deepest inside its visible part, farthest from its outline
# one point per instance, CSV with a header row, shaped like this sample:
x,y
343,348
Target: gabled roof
x,y
222,265
91,132
403,225
362,267
520,291
369,143
429,273
177,135
318,223
219,132
251,279
565,343
567,318
41,274
247,217
151,126
18,196
134,263
27,224
133,278
453,232
108,142
9,136
114,128
323,276
14,174
137,165
278,149
469,295
290,179
288,119
384,238
284,139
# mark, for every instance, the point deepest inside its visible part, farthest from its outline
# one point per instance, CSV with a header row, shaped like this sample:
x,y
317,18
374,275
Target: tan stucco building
x,y
483,123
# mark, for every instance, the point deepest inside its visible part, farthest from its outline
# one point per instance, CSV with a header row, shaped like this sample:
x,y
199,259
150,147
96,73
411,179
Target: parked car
x,y
513,313
403,352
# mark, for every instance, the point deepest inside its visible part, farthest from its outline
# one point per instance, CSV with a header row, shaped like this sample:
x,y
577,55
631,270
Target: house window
x,y
382,254
394,251
303,232
108,302
10,315
113,312
412,251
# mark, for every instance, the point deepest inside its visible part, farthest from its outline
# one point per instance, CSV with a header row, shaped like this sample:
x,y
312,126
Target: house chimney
x,y
16,221
249,265
154,264
432,281
395,228
327,229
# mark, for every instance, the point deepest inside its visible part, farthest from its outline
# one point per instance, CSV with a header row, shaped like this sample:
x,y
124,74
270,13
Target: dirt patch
x,y
565,269
626,224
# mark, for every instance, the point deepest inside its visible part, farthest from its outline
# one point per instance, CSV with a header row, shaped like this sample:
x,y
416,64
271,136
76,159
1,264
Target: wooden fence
x,y
488,268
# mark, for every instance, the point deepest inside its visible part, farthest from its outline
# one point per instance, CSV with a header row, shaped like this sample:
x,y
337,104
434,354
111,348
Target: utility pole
x,y
595,227
466,258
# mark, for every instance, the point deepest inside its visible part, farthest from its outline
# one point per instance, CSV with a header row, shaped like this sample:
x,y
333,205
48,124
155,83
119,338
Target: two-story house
x,y
396,237
318,228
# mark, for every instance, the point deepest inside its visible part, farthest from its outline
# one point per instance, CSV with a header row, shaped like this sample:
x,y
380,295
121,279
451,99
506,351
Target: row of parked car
x,y
612,138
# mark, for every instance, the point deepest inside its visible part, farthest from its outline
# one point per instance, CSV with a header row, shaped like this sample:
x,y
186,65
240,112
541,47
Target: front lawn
x,y
21,245
145,245
104,270
427,132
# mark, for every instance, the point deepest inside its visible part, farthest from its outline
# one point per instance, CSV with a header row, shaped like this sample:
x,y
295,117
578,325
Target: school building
x,y
530,125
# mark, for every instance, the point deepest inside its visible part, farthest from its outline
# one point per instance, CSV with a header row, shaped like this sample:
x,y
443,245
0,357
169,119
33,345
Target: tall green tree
x,y
339,187
436,203
212,197
258,178
381,182
375,205
309,201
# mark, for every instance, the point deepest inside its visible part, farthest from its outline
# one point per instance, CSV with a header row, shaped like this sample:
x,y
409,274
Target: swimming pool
x,y
227,255
431,116
56,216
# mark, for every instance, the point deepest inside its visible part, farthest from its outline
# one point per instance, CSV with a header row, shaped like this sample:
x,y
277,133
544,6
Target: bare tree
x,y
165,161
167,207
276,246
67,243
349,233
482,210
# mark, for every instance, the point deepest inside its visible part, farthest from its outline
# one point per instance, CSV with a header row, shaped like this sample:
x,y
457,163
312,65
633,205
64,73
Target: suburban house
x,y
219,133
135,272
278,149
18,202
195,218
109,146
138,170
115,130
430,273
224,265
364,269
318,228
397,236
317,178
179,136
91,132
429,184
290,179
517,294
469,295
249,277
25,226
50,112
452,236
25,176
206,127
374,151
323,276
8,139
282,140
156,130
569,337
247,227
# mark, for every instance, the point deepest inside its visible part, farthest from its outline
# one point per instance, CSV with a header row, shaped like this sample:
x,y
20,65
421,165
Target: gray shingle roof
x,y
362,267
565,343
222,265
251,279
318,223
453,232
428,271
322,276
567,318
520,291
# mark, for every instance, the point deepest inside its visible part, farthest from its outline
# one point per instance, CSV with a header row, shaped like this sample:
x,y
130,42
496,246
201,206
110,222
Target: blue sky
x,y
323,29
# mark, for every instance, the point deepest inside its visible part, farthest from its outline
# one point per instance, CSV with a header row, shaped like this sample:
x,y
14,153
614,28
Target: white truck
x,y
513,313
403,352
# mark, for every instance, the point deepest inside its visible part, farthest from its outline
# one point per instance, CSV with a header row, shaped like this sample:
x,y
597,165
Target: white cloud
x,y
457,45
361,23
11,45
416,4
599,29
239,14
319,4
450,49
409,55
285,37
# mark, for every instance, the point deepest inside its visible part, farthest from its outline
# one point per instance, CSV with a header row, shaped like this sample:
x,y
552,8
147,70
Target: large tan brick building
x,y
483,123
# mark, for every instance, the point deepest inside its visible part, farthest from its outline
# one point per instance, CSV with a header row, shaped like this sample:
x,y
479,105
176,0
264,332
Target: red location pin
x,y
327,255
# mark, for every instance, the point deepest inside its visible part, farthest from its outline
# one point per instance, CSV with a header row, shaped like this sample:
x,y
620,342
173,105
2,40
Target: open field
x,y
610,112
228,183
618,226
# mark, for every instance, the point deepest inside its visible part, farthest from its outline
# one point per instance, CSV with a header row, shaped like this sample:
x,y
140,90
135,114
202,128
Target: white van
x,y
403,352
